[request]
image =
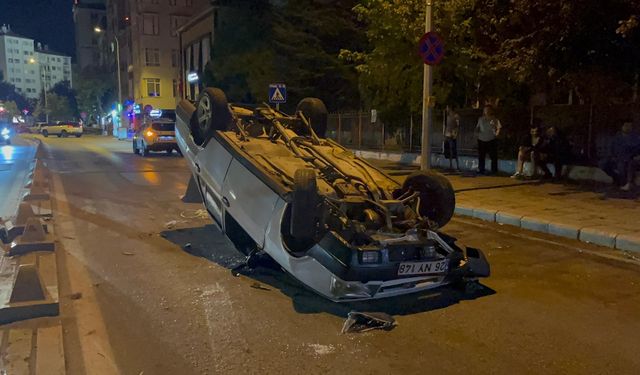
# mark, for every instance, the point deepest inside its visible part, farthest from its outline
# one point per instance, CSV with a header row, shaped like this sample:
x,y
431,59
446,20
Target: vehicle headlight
x,y
348,289
369,257
5,131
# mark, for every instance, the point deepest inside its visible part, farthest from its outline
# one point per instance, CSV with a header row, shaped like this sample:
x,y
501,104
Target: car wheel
x,y
304,204
437,198
64,134
179,152
169,151
316,112
78,135
212,114
45,133
145,150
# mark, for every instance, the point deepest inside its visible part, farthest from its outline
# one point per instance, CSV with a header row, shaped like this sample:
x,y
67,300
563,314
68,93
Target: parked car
x,y
62,129
158,135
342,227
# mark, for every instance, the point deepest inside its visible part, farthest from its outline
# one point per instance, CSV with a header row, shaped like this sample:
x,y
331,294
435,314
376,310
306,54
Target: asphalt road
x,y
144,295
14,166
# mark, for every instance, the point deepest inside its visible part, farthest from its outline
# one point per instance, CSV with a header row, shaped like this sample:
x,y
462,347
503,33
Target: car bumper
x,y
162,146
344,282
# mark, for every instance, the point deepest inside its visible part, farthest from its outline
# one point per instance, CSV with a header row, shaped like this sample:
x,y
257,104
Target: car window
x,y
163,127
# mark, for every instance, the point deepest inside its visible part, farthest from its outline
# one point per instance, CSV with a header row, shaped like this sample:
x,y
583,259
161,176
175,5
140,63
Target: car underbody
x,y
336,223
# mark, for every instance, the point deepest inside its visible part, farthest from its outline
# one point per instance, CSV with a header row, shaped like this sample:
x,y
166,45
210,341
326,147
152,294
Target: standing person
x,y
620,163
451,130
487,131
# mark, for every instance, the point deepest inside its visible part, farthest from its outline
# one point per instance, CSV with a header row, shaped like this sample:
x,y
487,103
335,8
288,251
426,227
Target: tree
x,y
58,108
63,89
95,89
296,42
8,93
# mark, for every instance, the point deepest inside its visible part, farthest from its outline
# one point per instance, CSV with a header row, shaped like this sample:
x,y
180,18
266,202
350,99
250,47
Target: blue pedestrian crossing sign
x,y
277,93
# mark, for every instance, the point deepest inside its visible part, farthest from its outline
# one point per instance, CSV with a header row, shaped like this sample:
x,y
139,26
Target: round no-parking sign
x,y
431,48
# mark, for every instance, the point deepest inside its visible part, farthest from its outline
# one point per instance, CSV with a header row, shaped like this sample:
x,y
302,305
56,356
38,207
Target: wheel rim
x,y
204,112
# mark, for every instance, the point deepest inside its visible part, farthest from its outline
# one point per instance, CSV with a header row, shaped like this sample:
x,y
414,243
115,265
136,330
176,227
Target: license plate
x,y
423,268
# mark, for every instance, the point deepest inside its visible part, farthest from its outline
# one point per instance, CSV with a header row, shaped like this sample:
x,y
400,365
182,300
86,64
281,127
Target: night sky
x,y
46,21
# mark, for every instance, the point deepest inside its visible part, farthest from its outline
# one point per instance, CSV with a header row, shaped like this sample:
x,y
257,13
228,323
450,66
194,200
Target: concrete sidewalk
x,y
585,212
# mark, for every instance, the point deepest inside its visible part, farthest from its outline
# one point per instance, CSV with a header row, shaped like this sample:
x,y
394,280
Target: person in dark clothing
x,y
487,131
622,160
553,149
526,152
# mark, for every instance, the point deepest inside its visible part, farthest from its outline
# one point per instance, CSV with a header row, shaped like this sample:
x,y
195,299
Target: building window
x,y
175,88
176,22
174,57
150,24
153,86
152,56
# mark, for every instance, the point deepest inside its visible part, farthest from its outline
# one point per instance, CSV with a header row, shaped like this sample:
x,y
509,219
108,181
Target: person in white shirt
x,y
487,131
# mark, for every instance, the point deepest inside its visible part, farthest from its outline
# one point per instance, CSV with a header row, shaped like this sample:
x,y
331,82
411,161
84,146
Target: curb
x,y
28,265
590,234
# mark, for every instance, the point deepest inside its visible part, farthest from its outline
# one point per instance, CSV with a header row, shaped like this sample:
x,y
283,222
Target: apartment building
x,y
30,67
87,15
147,34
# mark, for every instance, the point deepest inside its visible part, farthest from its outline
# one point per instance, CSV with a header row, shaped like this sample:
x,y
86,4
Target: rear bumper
x,y
162,146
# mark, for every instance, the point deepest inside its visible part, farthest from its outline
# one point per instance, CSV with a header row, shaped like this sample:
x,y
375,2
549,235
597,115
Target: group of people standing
x,y
543,146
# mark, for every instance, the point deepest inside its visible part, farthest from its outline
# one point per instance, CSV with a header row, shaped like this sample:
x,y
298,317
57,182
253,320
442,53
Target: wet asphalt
x,y
159,285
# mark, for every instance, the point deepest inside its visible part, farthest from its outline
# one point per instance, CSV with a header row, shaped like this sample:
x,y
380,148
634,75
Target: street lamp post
x,y
427,111
115,38
44,88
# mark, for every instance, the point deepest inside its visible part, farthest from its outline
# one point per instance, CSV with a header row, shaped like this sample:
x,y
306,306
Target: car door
x,y
248,200
211,164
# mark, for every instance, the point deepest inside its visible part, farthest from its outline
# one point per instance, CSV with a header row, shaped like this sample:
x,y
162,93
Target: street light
x,y
99,30
44,89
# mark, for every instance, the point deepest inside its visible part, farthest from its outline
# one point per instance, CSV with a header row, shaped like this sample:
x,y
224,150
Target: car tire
x,y
78,135
45,133
437,198
316,112
179,152
212,114
304,204
169,151
145,150
64,134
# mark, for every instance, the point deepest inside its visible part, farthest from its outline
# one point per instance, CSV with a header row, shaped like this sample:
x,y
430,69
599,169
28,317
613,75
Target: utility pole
x,y
427,111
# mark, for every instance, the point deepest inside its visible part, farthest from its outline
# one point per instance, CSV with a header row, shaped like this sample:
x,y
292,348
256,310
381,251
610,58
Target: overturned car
x,y
343,228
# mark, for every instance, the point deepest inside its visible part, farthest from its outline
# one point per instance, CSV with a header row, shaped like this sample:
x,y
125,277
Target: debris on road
x,y
76,295
257,285
170,224
367,321
195,214
127,253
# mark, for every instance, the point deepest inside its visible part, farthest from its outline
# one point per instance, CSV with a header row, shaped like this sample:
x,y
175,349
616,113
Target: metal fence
x,y
588,128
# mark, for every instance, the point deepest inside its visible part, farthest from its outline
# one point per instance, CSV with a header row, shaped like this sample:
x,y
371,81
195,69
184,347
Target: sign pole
x,y
425,159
